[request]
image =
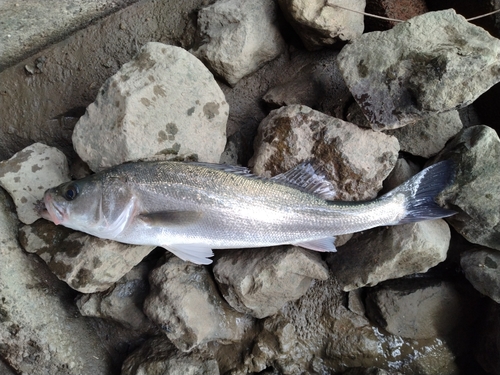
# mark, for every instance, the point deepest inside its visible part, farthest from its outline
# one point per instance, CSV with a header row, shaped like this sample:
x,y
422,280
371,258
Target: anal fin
x,y
194,253
323,244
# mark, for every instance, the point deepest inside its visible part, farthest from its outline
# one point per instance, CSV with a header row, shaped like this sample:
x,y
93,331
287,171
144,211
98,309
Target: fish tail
x,y
422,189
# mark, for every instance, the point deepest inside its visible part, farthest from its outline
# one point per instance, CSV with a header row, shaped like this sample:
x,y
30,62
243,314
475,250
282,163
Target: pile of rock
x,y
373,305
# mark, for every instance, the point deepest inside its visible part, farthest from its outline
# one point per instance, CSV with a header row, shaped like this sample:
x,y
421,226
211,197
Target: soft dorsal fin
x,y
307,178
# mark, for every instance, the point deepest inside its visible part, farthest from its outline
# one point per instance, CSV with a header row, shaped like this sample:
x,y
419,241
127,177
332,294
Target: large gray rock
x,y
260,281
416,309
38,330
476,189
482,269
158,356
30,172
354,160
122,303
86,263
238,37
163,102
432,63
321,23
185,304
429,135
391,252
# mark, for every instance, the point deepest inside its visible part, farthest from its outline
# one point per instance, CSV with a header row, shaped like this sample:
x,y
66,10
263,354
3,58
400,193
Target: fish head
x,y
98,204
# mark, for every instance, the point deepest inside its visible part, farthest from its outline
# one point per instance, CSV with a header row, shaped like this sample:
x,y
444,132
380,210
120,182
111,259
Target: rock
x,y
369,371
158,356
30,172
390,252
475,193
396,9
238,37
122,303
163,102
482,269
87,264
486,347
403,171
312,79
321,23
317,334
429,135
260,281
354,160
38,330
432,63
185,304
416,309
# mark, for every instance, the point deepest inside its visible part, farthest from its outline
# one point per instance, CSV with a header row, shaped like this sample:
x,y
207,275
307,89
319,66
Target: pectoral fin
x,y
169,218
323,244
194,253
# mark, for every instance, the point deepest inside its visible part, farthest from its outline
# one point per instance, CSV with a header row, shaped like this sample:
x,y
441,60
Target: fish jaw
x,y
51,211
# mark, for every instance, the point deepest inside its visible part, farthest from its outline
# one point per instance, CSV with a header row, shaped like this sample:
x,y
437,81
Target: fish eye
x,y
71,192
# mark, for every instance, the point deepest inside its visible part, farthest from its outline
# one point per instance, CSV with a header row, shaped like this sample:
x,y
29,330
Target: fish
x,y
191,208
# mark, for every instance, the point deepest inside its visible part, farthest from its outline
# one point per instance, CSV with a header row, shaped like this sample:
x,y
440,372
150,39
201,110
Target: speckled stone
x,y
29,173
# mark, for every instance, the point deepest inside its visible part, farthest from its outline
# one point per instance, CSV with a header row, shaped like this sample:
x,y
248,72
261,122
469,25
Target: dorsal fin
x,y
308,178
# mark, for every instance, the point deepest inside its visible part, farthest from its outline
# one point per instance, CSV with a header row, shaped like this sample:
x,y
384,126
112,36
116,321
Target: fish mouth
x,y
48,209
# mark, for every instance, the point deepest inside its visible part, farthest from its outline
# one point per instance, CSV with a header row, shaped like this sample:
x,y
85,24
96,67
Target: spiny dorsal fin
x,y
307,177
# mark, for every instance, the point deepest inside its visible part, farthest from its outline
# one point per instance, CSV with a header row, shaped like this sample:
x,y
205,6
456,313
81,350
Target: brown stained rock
x,y
354,160
86,263
397,9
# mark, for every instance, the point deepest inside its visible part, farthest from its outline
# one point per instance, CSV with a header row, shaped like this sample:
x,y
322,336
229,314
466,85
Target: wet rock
x,y
433,63
321,23
260,281
185,304
238,37
354,160
87,264
122,303
390,252
317,334
163,102
476,189
38,329
312,79
416,309
29,173
482,269
159,356
429,135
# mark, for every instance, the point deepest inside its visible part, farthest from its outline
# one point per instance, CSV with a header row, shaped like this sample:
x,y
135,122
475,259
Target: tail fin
x,y
421,190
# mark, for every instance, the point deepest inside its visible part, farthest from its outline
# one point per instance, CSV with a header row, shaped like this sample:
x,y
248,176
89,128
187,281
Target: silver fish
x,y
192,208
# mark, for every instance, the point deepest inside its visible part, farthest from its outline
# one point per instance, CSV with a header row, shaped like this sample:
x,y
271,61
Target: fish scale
x,y
192,208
